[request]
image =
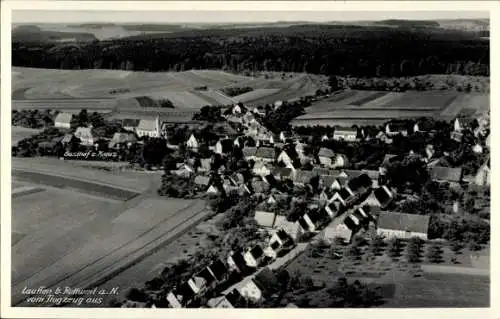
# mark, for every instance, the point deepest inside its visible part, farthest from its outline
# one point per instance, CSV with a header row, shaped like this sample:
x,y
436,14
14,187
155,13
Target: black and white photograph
x,y
248,158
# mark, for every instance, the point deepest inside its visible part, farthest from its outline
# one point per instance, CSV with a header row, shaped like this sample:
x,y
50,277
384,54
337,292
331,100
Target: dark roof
x,y
186,292
219,269
303,223
350,223
446,173
344,193
325,152
265,152
266,280
404,222
315,216
304,177
334,208
257,251
239,259
362,181
227,145
235,298
282,235
383,195
207,275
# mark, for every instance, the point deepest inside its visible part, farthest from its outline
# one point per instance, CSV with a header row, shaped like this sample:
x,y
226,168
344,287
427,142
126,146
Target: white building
x,y
192,142
401,225
151,128
63,120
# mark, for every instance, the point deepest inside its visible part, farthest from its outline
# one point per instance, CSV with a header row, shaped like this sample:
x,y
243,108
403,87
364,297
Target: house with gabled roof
x,y
149,127
285,158
254,256
219,270
392,224
380,197
313,220
344,230
395,128
333,209
292,228
130,124
236,262
483,175
345,134
261,169
343,196
326,156
86,135
303,177
423,127
192,142
63,120
224,146
360,184
213,189
249,290
121,138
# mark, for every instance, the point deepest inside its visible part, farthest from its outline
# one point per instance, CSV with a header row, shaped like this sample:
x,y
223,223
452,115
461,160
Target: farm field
x,y
128,181
103,243
183,247
407,280
19,133
103,90
48,222
374,107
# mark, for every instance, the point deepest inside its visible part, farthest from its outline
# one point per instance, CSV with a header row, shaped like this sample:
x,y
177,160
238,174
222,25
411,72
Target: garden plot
x,y
255,95
479,102
430,99
322,265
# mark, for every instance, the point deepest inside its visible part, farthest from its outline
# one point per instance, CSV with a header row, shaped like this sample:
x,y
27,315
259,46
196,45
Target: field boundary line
x,y
144,233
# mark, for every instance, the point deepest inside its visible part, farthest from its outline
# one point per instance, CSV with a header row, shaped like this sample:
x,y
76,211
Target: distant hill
x,y
33,33
409,23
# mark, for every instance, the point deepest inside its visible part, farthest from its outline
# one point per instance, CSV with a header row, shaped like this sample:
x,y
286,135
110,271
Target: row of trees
x,y
33,118
321,49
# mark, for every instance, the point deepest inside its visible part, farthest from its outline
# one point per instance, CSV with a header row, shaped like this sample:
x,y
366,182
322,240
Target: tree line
x,y
317,49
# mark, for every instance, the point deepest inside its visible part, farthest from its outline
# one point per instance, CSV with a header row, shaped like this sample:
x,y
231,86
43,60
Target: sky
x,y
31,16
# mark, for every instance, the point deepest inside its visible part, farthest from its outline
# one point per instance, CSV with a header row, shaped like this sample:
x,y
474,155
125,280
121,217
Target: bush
x,y
134,294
